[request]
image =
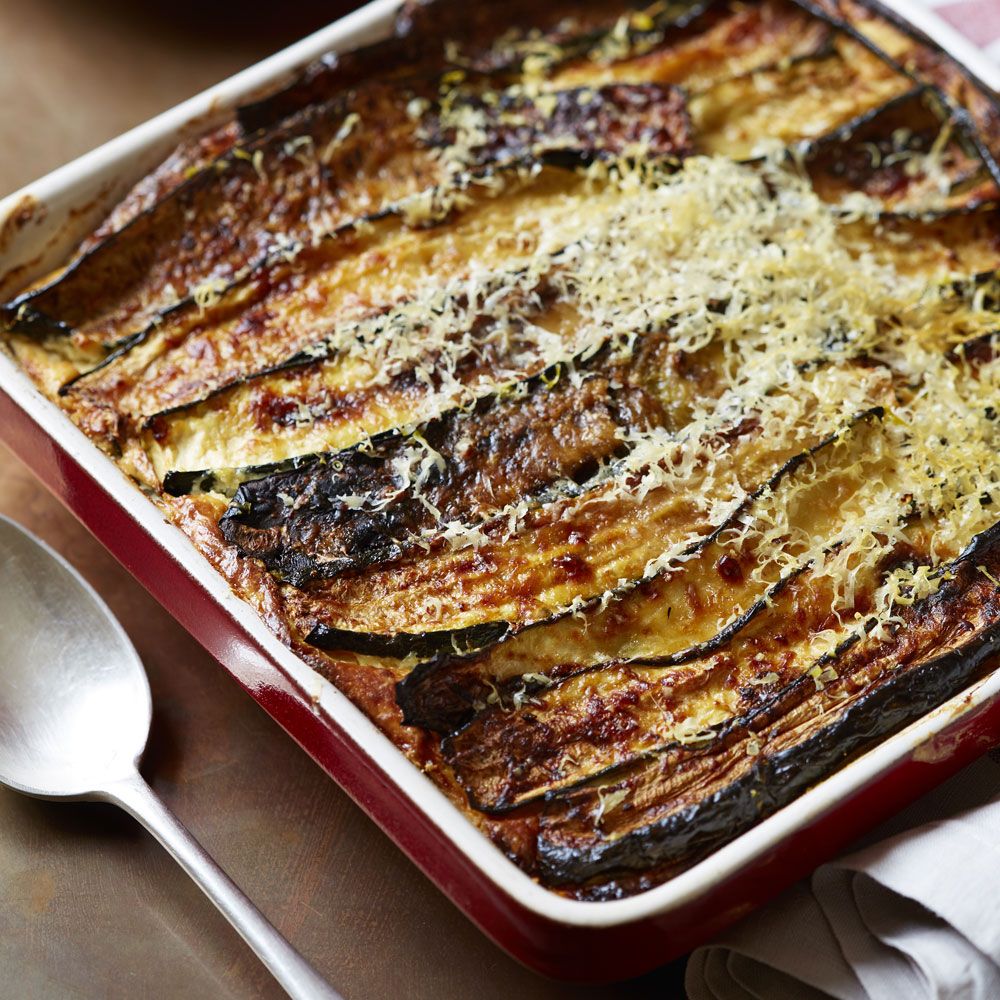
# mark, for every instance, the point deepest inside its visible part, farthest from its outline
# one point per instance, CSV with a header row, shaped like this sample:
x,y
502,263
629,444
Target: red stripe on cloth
x,y
978,20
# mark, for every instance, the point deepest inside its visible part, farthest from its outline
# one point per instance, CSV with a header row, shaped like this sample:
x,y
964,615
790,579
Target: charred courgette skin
x,y
519,442
437,694
968,604
565,382
401,645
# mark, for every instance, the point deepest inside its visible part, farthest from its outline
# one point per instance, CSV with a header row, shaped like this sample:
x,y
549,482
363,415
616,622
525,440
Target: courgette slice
x,y
408,644
436,694
378,503
448,35
372,377
911,155
189,158
810,98
326,79
542,41
726,41
608,122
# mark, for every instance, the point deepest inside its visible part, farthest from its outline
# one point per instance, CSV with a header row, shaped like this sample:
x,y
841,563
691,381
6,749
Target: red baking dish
x,y
584,941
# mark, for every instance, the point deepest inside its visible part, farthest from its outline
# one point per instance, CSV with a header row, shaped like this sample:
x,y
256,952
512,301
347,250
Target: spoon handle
x,y
299,979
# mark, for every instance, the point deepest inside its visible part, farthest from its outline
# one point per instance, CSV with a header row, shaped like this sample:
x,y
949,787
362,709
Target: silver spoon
x,y
75,710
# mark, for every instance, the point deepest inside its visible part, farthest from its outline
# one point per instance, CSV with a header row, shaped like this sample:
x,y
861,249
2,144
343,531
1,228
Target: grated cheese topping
x,y
746,260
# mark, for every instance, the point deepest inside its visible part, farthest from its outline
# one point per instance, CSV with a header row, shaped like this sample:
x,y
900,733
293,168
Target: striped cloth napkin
x,y
916,911
978,20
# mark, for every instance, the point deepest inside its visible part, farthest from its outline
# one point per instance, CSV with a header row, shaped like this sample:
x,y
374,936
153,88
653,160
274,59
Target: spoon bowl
x,y
75,706
75,710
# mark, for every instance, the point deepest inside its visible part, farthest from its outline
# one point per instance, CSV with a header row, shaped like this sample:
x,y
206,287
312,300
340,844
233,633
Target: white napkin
x,y
916,913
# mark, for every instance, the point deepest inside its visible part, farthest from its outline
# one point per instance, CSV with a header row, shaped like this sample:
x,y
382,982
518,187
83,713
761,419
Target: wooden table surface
x,y
90,905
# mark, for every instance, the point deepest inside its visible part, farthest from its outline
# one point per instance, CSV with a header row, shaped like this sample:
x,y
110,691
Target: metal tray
x,y
585,941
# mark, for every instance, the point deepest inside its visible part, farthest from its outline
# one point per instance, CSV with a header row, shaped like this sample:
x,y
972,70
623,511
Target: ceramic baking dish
x,y
584,941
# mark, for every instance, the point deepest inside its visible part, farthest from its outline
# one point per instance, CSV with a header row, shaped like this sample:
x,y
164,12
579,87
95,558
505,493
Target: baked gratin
x,y
603,397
